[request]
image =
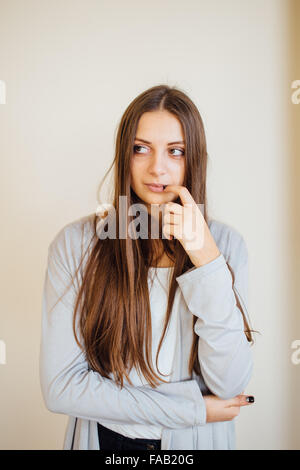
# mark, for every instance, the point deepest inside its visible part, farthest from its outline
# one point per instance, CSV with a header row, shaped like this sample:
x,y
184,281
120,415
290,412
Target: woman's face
x,y
158,156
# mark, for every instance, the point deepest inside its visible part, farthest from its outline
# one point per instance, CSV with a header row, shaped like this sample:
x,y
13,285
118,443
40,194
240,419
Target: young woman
x,y
145,340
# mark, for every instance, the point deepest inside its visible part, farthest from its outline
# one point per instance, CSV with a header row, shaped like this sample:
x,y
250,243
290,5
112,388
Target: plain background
x,y
71,68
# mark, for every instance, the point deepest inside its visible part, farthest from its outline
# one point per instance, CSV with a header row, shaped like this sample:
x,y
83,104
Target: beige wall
x,y
294,212
71,68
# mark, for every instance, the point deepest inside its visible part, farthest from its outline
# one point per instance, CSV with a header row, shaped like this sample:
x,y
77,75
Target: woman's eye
x,y
137,147
179,150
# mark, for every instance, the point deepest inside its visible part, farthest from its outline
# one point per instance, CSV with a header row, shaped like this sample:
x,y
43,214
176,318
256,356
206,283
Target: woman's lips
x,y
156,188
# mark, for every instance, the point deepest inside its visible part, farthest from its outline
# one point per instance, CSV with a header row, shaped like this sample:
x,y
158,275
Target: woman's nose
x,y
158,163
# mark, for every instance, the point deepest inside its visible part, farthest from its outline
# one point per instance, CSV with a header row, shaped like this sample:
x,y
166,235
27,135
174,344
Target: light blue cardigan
x,y
70,387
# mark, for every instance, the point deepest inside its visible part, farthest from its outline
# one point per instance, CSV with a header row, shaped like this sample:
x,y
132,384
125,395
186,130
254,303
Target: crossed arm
x,y
70,387
224,352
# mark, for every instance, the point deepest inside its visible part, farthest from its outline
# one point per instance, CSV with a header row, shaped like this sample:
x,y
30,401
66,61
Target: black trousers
x,y
111,440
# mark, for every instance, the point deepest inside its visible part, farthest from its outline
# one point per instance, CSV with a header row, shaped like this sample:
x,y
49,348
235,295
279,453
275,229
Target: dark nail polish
x,y
250,399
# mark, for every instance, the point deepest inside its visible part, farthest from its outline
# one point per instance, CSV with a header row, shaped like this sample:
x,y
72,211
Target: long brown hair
x,y
113,298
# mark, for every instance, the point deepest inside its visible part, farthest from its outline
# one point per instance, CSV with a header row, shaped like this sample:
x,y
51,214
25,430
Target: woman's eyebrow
x,y
170,143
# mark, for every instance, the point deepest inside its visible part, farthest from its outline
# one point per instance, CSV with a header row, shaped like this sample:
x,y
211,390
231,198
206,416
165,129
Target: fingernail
x,y
250,399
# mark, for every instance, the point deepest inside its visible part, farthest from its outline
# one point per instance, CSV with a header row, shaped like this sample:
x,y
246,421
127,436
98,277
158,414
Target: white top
x,y
158,283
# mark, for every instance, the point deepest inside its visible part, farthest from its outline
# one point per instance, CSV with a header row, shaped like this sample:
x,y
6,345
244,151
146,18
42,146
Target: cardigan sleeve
x,y
70,387
224,352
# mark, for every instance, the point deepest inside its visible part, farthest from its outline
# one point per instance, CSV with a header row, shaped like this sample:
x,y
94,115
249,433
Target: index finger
x,y
239,400
182,192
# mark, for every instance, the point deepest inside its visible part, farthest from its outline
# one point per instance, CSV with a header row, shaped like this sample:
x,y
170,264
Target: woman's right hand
x,y
218,409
